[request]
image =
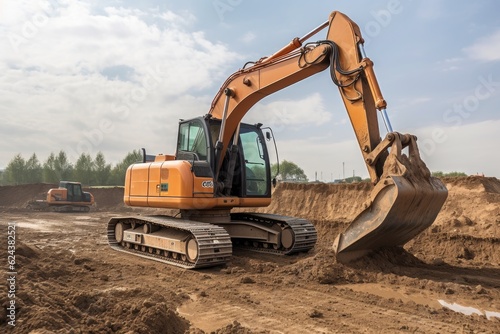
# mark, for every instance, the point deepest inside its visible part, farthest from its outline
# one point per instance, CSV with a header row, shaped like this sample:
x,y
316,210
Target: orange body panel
x,y
172,184
59,196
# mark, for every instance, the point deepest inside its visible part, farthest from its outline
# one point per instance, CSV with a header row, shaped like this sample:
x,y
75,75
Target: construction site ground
x,y
68,280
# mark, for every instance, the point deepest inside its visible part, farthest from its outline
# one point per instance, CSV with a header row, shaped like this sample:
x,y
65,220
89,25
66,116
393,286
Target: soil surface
x,y
68,280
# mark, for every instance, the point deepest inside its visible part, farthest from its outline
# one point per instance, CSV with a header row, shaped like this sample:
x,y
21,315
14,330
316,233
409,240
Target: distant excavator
x,y
69,197
222,163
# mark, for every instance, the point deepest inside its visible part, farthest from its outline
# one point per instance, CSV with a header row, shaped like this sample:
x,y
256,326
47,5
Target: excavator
x,y
69,197
222,163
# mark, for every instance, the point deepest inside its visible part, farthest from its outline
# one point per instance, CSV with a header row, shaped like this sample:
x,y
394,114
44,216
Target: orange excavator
x,y
222,163
69,197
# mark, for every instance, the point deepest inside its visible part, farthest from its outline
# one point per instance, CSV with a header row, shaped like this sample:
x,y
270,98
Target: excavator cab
x,y
197,139
74,191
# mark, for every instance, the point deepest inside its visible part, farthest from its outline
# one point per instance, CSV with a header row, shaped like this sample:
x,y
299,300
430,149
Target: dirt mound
x,y
319,201
19,196
472,206
468,226
107,198
94,305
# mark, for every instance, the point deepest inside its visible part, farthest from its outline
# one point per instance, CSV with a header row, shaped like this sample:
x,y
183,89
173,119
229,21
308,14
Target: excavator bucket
x,y
400,207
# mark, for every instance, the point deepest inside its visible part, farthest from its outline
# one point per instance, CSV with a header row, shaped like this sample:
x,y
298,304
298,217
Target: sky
x,y
114,76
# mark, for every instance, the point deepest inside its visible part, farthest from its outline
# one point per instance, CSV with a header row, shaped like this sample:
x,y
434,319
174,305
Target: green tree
x,y
33,170
119,171
450,174
353,179
102,170
289,171
49,170
63,167
15,172
57,168
454,174
84,168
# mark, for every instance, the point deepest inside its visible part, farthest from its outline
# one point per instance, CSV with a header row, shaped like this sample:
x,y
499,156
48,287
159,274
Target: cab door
x,y
256,172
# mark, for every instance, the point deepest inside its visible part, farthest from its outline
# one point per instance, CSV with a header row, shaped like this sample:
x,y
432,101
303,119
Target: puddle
x,y
83,217
86,218
42,225
467,310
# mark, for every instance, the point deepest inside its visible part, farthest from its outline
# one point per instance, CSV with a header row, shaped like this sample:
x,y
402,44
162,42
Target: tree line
x,y
87,170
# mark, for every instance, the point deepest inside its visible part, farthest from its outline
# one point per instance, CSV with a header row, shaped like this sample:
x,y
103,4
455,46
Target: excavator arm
x,y
405,199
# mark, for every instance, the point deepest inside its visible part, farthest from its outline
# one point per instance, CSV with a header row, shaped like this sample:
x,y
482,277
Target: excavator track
x,y
156,238
38,205
294,234
69,208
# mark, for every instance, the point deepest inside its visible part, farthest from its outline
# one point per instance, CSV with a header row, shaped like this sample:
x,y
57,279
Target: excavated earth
x,y
68,280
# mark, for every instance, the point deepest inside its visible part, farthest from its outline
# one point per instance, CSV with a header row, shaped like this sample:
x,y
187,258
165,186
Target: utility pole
x,y
343,170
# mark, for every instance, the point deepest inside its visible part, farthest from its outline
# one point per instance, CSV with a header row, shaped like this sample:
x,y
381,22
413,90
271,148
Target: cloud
x,y
486,48
110,81
309,110
451,64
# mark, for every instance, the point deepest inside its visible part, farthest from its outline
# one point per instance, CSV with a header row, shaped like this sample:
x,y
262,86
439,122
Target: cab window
x,y
192,138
